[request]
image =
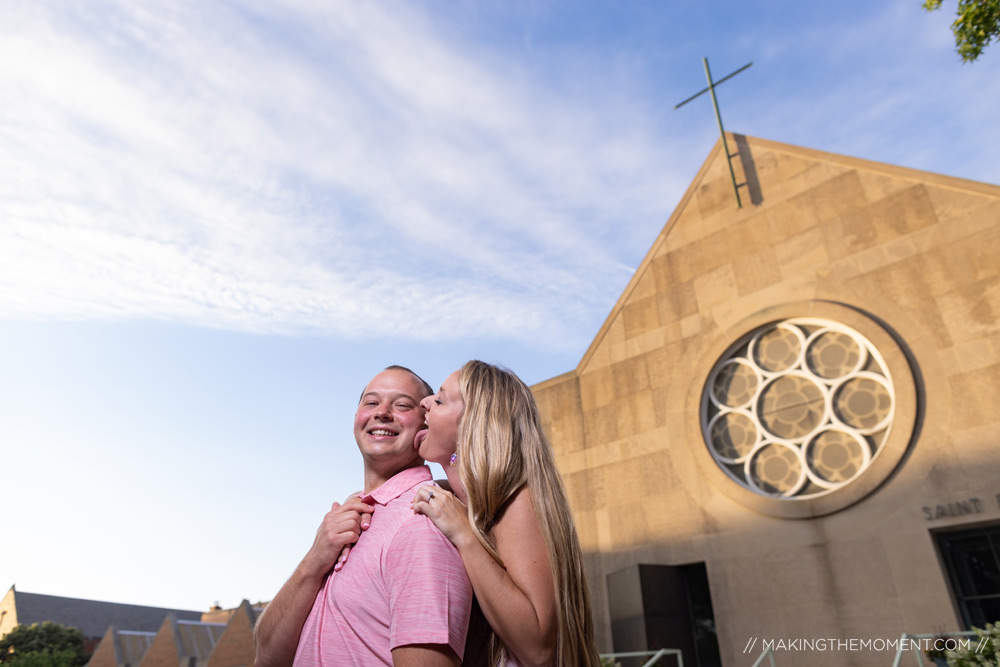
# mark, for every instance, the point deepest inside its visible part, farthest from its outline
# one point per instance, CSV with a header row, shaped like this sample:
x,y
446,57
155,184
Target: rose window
x,y
797,408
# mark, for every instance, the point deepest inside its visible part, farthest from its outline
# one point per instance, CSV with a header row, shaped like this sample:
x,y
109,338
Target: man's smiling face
x,y
388,417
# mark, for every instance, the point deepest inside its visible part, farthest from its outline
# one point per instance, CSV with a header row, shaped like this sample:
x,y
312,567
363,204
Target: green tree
x,y
43,659
978,23
983,650
43,645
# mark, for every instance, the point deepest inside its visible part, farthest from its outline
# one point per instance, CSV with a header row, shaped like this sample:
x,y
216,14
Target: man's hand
x,y
341,527
277,631
366,520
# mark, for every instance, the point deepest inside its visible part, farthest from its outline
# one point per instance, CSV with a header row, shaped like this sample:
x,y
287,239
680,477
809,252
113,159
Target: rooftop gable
x,y
782,186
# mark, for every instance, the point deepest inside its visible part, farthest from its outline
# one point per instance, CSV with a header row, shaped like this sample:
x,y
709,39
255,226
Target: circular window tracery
x,y
797,408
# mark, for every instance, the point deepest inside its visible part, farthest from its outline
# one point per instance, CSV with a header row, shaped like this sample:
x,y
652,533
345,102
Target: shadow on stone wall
x,y
749,170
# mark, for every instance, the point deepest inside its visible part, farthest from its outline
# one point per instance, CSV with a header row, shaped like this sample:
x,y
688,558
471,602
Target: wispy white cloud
x,y
876,81
359,168
288,168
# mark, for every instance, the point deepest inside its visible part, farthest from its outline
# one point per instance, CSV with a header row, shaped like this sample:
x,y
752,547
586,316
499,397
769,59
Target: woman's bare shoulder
x,y
517,533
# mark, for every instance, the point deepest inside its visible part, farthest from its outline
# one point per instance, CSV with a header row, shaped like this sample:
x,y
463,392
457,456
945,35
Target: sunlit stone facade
x,y
797,401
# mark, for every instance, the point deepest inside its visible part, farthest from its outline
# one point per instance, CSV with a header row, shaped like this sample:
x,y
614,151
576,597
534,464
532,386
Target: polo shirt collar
x,y
403,480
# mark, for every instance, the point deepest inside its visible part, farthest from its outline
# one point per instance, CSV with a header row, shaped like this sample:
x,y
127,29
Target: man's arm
x,y
518,598
277,630
424,655
429,594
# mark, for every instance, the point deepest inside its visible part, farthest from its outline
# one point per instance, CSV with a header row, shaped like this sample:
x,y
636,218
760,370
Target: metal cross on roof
x,y
718,118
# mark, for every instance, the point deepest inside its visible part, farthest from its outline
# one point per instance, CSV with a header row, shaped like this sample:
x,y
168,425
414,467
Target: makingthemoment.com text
x,y
866,644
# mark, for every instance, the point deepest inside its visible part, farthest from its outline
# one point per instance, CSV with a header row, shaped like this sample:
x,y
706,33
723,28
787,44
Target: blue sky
x,y
219,219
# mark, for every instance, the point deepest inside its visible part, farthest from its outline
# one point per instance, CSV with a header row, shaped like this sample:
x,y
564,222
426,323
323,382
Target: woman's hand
x,y
446,511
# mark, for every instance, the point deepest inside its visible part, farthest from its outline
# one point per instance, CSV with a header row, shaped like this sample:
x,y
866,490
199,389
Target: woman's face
x,y
444,411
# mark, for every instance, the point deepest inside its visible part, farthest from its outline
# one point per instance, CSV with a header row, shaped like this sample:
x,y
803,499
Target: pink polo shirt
x,y
403,584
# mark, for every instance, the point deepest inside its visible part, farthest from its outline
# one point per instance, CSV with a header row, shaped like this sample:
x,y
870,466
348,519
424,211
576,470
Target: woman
x,y
508,517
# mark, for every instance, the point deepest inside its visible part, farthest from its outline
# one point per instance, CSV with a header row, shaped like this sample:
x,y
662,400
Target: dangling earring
x,y
454,457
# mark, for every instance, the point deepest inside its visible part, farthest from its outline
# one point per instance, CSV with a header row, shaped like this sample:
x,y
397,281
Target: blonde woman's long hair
x,y
502,447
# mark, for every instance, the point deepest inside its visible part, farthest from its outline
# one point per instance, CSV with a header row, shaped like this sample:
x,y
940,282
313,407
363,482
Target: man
x,y
403,599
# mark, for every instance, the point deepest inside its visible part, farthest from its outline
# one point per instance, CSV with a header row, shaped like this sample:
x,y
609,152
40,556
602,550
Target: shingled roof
x,y
92,617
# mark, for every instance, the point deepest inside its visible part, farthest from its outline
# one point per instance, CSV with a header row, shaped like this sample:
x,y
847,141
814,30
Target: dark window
x,y
663,606
972,558
706,641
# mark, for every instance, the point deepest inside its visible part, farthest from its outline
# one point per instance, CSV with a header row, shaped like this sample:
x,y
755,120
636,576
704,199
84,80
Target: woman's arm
x,y
519,602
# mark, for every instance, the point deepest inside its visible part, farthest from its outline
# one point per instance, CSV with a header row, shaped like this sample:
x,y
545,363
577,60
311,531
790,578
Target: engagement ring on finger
x,y
430,495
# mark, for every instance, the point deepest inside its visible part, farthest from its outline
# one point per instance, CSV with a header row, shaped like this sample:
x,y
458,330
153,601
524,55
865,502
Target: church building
x,y
787,429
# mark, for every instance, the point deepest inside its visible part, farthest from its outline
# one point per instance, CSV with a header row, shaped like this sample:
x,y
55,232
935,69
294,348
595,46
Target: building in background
x,y
179,642
786,431
222,638
91,617
125,635
787,427
236,647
